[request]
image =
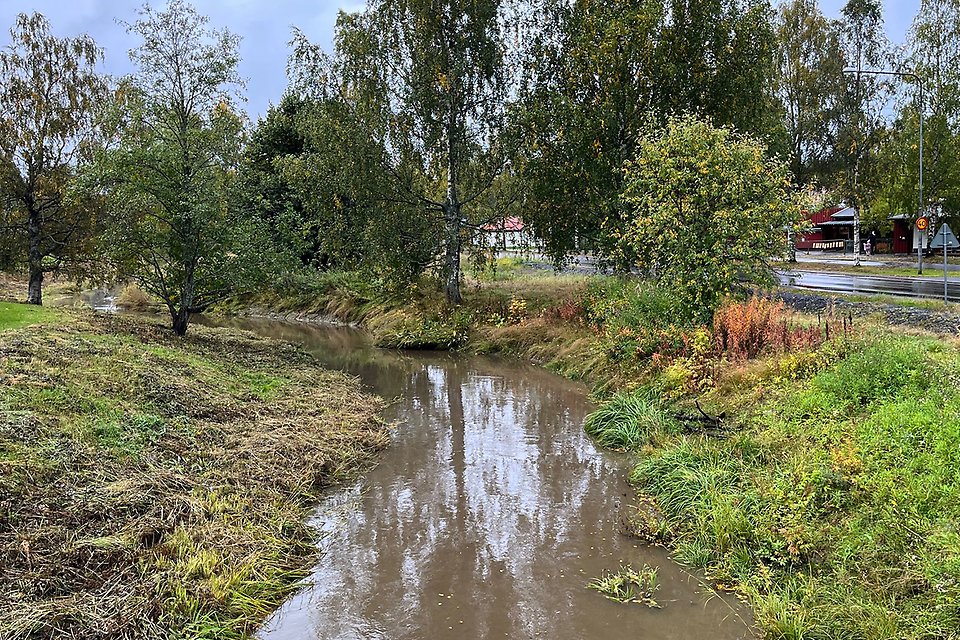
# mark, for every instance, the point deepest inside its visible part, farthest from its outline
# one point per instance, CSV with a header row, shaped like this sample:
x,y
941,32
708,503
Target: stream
x,y
485,518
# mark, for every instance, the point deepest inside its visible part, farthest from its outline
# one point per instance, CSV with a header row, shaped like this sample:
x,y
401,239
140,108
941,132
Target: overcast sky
x,y
264,26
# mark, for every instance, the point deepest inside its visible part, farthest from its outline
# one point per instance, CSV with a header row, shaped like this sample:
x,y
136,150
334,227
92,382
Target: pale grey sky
x,y
264,26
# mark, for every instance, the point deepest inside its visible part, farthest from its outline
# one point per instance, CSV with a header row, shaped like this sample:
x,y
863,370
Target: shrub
x,y
406,329
745,330
706,209
635,319
570,310
615,302
517,310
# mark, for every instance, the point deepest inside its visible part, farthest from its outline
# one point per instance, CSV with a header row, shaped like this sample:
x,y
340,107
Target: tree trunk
x,y
451,263
34,259
452,212
181,318
181,314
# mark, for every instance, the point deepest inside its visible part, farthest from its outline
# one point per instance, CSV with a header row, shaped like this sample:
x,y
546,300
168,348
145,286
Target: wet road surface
x,y
866,284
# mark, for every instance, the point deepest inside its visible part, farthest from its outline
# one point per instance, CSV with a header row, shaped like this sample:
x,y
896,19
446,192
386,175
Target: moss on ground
x,y
157,487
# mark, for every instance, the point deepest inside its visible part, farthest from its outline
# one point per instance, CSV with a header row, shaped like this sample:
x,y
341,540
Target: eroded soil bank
x,y
487,516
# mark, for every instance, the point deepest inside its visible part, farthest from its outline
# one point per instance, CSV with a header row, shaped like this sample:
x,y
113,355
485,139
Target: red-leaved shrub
x,y
744,330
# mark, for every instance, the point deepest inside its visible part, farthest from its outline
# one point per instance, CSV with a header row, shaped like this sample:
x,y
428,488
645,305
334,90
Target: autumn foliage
x,y
744,330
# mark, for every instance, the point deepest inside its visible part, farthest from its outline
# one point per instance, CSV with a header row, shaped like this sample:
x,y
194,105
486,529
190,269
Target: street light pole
x,y
906,74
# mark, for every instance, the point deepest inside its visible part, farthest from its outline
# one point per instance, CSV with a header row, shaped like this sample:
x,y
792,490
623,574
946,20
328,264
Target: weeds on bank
x,y
498,269
833,504
628,585
630,421
155,487
829,498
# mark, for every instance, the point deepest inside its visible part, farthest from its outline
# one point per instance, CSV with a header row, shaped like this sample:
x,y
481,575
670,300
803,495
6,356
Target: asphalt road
x,y
822,281
888,285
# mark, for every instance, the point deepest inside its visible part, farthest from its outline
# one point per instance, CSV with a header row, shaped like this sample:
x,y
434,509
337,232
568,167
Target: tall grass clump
x,y
133,298
629,421
628,585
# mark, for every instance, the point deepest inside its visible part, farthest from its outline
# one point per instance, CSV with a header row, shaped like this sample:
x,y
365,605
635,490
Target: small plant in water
x,y
628,585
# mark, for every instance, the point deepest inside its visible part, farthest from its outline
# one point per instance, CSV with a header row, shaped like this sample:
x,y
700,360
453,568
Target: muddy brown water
x,y
486,518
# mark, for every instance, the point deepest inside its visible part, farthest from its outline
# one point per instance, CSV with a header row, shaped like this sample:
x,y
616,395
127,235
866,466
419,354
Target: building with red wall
x,y
829,229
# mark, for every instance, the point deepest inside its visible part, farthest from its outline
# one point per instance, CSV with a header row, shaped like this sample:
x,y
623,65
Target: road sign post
x,y
946,239
919,239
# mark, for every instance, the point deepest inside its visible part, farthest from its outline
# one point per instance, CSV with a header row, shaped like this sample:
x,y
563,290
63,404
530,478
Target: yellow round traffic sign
x,y
922,224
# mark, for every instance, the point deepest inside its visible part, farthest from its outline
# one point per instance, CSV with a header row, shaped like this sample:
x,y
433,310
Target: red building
x,y
829,229
902,234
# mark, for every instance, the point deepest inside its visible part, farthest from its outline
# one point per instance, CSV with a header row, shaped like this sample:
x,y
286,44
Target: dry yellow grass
x,y
151,485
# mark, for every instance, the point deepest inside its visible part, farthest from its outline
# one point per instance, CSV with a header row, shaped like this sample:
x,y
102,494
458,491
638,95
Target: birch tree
x,y
810,73
426,82
861,120
49,92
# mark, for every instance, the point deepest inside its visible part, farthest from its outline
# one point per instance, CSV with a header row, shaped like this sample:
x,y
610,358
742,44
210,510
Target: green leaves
x,y
404,147
172,167
599,72
705,209
49,95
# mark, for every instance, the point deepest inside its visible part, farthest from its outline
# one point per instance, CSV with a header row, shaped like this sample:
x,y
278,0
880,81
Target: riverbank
x,y
536,317
155,487
828,492
806,460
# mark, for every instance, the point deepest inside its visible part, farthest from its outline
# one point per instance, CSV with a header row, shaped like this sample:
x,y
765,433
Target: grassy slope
x,y
155,487
833,502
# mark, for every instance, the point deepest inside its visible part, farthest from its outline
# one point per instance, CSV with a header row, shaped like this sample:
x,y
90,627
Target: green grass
x,y
628,585
157,487
835,503
13,315
931,269
505,268
630,421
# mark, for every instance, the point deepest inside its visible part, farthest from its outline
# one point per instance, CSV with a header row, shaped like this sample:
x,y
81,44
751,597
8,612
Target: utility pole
x,y
920,110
